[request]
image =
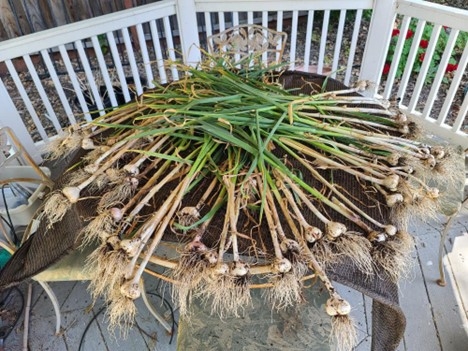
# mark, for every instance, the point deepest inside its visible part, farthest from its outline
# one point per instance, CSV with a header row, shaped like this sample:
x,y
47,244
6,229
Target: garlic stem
x,y
134,166
232,213
148,228
73,193
388,181
319,177
153,189
176,197
310,258
273,223
115,117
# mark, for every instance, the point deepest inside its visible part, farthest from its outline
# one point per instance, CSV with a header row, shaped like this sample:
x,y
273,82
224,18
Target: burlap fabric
x,y
47,246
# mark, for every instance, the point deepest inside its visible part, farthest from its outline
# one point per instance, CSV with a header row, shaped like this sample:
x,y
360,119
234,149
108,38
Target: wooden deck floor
x,y
436,316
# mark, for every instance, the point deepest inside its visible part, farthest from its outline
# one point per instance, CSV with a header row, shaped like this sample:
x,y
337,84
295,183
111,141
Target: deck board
x,y
456,267
76,312
436,315
42,321
420,331
435,323
356,299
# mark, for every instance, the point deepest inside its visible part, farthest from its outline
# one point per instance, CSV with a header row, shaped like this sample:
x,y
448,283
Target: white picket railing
x,y
443,26
54,78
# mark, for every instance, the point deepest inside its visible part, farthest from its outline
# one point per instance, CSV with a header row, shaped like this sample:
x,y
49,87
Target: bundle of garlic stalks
x,y
251,179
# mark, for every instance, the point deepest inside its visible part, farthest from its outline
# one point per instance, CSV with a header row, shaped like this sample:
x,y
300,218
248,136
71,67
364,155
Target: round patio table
x,y
48,246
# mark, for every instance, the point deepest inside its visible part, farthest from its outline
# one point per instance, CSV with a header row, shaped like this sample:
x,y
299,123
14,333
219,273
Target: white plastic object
x,y
22,214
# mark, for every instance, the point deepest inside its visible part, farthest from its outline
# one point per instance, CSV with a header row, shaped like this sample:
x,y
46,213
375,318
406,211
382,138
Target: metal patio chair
x,y
240,42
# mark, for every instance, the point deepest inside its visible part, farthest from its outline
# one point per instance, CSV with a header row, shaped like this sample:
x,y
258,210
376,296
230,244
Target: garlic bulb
x,y
362,85
282,265
376,237
336,306
313,234
131,169
87,144
91,169
393,199
433,193
130,246
393,158
114,241
335,229
116,214
130,289
390,230
239,269
72,193
438,152
210,256
401,118
391,182
188,215
430,161
289,245
221,268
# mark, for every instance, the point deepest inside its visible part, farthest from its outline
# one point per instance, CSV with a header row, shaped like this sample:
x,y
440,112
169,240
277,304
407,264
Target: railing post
x,y
9,117
188,31
378,39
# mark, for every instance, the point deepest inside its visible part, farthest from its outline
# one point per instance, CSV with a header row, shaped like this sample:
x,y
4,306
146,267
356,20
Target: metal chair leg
x,y
441,281
55,303
152,310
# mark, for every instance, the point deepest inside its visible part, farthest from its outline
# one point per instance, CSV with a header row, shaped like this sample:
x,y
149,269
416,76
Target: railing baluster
x,y
170,47
462,64
265,35
352,49
208,25
424,67
104,70
461,115
396,57
279,28
58,86
131,56
308,40
74,80
222,24
90,88
339,40
40,89
411,57
250,17
118,65
292,48
145,55
158,52
27,102
323,41
440,73
235,18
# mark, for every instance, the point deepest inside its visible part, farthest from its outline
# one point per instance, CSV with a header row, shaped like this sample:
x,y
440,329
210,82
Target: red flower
x,y
451,67
409,34
423,43
386,68
421,56
395,32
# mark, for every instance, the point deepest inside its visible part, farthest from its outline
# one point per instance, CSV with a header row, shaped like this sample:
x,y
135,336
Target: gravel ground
x,y
462,4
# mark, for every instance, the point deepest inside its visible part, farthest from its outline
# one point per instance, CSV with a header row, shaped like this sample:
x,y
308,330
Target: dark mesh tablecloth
x,y
48,246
